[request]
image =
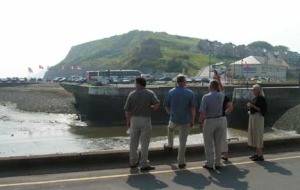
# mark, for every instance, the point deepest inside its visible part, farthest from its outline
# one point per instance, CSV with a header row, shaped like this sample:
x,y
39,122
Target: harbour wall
x,y
104,105
279,100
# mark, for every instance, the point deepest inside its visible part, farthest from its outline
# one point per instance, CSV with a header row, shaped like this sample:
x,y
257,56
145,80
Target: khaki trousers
x,y
224,139
141,130
183,131
213,131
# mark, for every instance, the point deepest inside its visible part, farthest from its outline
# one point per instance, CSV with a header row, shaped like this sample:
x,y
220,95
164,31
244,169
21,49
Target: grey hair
x,y
257,86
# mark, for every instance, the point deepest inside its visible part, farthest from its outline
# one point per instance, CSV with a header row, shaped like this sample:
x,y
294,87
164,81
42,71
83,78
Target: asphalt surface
x,y
280,170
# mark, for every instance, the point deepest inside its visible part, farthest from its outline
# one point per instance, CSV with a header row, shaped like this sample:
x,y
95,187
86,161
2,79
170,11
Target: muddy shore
x,y
42,97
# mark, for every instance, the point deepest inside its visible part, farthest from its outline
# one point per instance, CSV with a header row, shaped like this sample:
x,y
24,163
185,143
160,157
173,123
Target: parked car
x,y
56,79
63,79
165,79
15,79
21,80
114,80
81,80
264,78
4,80
205,80
256,80
195,79
125,80
189,80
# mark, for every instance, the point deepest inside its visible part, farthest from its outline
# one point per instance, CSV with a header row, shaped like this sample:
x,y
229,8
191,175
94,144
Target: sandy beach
x,y
42,97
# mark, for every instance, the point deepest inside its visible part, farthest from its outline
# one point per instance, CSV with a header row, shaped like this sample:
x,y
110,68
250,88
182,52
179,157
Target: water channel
x,y
25,133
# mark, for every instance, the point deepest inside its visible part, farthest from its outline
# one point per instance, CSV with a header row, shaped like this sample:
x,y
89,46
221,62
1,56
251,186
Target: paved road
x,y
279,171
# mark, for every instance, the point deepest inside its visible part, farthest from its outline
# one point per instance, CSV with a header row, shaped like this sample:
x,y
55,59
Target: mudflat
x,y
41,97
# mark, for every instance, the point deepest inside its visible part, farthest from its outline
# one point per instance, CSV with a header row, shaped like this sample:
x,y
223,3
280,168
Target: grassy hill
x,y
150,52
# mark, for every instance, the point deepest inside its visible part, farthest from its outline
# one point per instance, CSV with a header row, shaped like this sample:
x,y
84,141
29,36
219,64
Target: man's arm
x,y
128,118
201,121
155,106
155,102
229,108
168,110
218,78
193,111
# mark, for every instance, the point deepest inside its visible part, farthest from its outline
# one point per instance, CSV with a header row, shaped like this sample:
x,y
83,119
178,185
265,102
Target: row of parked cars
x,y
128,80
74,79
189,80
19,80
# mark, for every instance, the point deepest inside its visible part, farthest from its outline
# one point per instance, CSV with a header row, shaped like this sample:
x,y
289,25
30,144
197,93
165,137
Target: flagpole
x,y
247,75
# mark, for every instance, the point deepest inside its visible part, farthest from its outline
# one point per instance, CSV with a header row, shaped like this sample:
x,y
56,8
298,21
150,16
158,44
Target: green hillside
x,y
150,52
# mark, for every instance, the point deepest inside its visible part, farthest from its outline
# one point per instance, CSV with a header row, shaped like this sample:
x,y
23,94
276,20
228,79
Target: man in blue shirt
x,y
213,124
180,104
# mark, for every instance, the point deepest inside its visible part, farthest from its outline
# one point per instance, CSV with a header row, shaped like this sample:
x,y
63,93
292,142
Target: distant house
x,y
269,66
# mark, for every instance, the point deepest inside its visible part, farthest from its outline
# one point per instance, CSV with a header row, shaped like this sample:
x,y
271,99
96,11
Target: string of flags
x,y
62,68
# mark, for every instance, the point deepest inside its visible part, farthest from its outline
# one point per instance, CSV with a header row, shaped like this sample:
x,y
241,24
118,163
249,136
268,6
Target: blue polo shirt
x,y
212,104
180,100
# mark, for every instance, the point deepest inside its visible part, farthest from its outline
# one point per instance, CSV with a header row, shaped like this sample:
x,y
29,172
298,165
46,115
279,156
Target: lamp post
x,y
241,73
209,59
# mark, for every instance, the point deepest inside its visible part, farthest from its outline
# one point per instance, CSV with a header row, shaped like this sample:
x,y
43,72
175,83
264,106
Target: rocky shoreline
x,y
42,97
290,121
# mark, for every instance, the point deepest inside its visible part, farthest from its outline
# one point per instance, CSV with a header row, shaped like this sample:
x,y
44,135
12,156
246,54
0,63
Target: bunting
x,y
247,66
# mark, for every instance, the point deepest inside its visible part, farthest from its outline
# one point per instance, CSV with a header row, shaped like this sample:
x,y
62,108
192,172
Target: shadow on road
x,y
230,177
145,181
273,167
191,179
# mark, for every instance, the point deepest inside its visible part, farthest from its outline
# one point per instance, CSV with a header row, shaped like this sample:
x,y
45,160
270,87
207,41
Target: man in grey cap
x,y
212,124
139,107
180,104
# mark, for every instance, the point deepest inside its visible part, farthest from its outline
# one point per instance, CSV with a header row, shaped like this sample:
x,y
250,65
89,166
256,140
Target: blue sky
x,y
41,32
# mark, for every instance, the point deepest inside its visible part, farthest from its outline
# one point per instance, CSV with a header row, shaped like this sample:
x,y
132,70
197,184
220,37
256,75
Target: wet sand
x,y
42,97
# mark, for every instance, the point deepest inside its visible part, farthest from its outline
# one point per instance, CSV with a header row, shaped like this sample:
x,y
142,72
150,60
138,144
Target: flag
x,y
41,67
62,67
247,66
78,68
30,70
72,67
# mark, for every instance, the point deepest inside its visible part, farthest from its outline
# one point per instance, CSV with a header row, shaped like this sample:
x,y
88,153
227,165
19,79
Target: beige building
x,y
256,66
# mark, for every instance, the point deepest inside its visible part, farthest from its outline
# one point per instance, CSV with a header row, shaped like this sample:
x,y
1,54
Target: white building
x,y
256,66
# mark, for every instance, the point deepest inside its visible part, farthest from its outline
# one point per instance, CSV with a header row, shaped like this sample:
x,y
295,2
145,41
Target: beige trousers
x,y
213,131
183,131
141,130
224,139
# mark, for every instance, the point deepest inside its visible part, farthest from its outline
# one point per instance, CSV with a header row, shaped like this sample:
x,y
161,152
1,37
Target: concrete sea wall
x,y
279,100
105,104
